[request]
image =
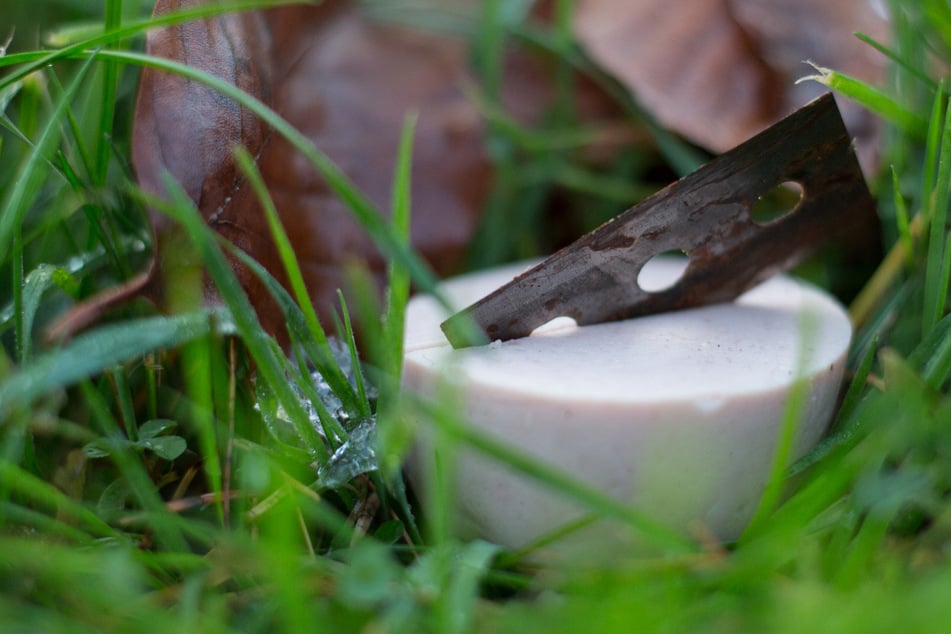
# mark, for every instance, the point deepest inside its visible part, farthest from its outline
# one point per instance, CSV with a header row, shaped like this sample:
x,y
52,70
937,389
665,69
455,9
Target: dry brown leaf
x,y
718,71
347,84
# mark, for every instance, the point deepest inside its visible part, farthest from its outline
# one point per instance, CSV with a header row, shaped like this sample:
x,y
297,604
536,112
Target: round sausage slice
x,y
677,414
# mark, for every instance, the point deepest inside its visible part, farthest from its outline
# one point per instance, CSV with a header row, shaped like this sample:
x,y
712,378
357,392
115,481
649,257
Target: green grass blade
x,y
859,382
872,98
489,48
45,495
197,360
283,244
932,148
389,424
903,62
110,86
245,319
863,549
32,173
20,333
333,430
937,348
796,401
15,514
94,352
936,289
34,61
351,341
324,361
124,399
40,280
109,89
37,282
321,355
772,493
458,602
75,130
398,281
938,15
902,221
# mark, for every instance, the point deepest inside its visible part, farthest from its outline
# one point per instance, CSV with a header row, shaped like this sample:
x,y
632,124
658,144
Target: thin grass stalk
x,y
325,362
15,514
124,400
95,351
110,86
548,539
152,381
351,341
936,289
859,382
44,495
229,446
789,425
938,367
932,149
564,73
31,174
903,62
937,14
883,279
394,320
334,432
304,346
75,130
902,222
398,279
197,361
104,232
861,551
490,48
36,60
269,366
21,347
788,429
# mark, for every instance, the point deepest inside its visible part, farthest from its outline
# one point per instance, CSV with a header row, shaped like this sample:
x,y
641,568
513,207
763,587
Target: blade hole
x,y
776,203
557,326
662,271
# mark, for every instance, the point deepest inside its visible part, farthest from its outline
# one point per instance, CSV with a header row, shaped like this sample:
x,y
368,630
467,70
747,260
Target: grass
x,y
166,471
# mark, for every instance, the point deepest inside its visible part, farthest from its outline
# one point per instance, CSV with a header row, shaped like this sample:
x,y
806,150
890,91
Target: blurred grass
x,y
180,471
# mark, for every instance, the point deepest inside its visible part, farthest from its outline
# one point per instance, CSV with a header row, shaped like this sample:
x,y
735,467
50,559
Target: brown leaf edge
x,y
157,111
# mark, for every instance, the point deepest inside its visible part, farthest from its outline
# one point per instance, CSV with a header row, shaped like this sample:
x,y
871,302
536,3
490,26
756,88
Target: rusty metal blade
x,y
706,215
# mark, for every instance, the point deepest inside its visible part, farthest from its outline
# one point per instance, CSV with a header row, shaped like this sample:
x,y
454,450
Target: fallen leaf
x,y
719,71
347,84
